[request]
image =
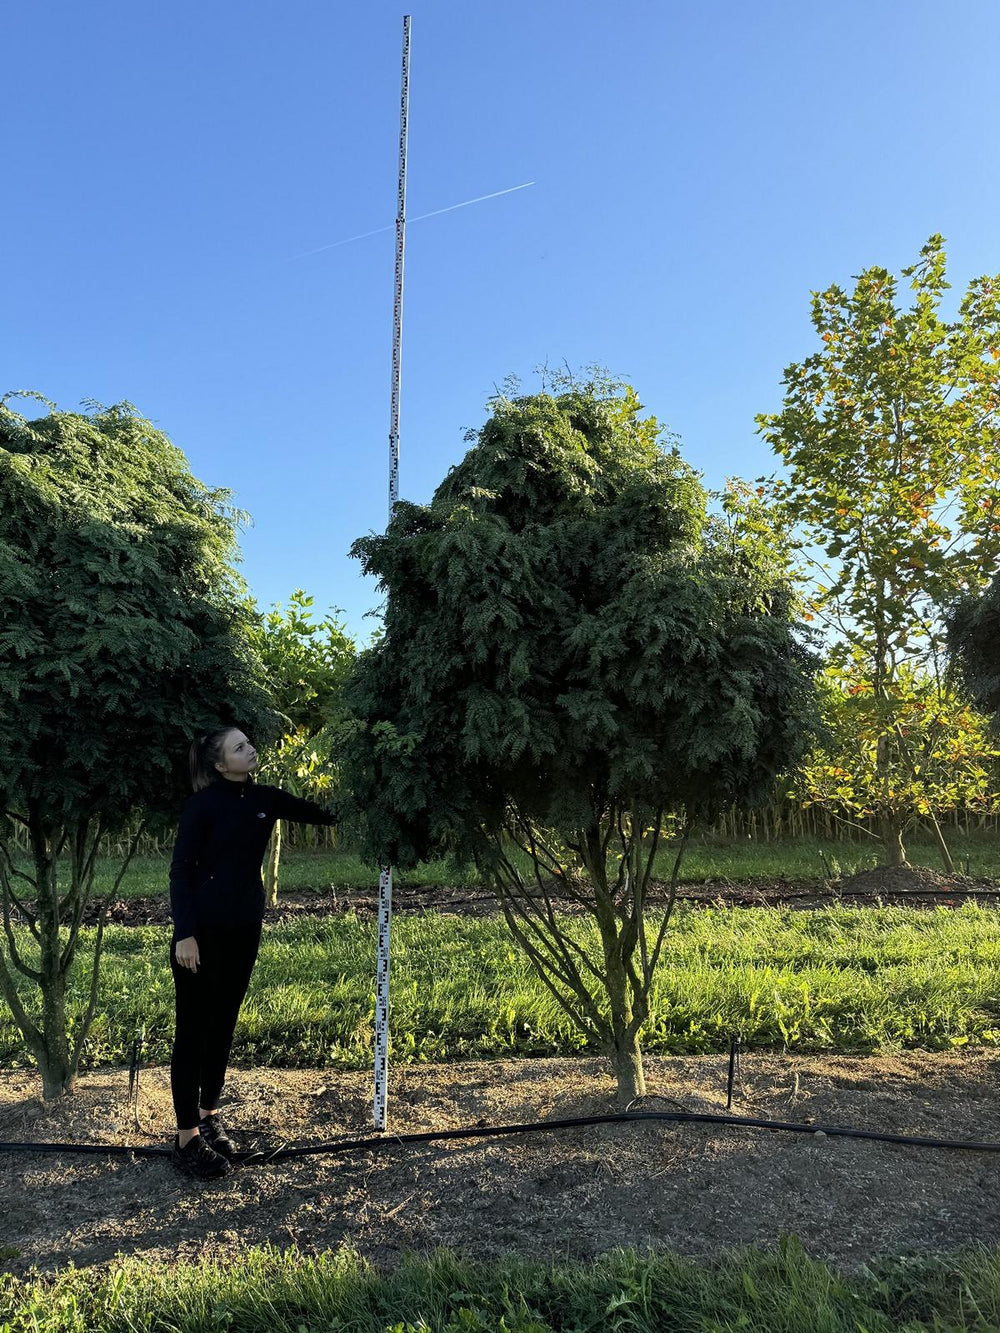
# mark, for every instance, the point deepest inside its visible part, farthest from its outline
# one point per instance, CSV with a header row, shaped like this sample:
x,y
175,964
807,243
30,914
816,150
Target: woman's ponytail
x,y
206,751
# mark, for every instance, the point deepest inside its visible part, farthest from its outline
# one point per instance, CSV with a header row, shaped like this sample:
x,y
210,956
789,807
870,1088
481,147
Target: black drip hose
x,y
382,1142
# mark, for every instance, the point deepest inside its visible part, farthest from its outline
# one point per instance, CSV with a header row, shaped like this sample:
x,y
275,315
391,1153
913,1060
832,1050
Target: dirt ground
x,y
566,1193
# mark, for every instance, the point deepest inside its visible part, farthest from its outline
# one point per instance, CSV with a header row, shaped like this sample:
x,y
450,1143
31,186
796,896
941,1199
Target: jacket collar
x,y
235,788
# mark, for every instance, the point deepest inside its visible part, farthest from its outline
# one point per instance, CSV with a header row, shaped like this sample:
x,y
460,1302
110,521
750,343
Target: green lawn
x,y
849,979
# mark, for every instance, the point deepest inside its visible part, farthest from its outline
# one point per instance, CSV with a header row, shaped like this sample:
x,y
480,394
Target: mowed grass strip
x,y
977,854
272,1291
847,979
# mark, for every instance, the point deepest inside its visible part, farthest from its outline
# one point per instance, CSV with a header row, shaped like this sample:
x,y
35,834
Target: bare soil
x,y
570,1193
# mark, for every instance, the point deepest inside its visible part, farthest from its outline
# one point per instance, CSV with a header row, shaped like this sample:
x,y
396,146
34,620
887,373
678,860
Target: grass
x,y
838,978
272,1291
705,859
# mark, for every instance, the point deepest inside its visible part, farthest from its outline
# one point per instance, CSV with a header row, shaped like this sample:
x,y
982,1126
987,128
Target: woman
x,y
217,903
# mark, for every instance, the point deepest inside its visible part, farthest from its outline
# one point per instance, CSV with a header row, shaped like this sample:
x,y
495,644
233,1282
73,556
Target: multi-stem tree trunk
x,y
53,923
890,820
624,1051
628,1000
607,1001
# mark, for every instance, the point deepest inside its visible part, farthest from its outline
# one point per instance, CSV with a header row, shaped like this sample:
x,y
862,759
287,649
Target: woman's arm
x,y
299,810
184,870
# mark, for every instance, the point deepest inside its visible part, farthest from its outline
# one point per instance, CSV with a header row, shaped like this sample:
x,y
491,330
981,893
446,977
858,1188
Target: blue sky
x,y
699,169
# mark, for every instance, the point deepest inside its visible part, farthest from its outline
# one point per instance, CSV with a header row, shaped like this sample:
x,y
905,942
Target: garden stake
x,y
734,1065
133,1074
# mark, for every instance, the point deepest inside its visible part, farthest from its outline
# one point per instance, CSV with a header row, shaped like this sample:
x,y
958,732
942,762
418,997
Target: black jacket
x,y
223,834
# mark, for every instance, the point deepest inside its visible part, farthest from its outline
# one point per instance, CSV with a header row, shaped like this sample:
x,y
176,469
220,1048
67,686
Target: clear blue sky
x,y
700,169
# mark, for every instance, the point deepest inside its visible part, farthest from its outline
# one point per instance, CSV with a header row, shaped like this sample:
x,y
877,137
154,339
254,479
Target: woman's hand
x,y
186,952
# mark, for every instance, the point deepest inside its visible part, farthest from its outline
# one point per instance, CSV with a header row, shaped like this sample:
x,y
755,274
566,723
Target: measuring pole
x,y
385,878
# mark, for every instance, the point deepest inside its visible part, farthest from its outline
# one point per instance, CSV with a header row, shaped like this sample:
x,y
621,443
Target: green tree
x,y
576,660
942,755
306,663
972,625
888,432
123,631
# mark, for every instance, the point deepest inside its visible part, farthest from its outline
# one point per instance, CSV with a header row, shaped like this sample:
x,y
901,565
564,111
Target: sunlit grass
x,y
849,979
267,1290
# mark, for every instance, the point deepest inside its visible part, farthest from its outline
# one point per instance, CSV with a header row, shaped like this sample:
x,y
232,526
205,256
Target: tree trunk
x,y
627,1061
627,1010
273,861
54,1057
891,833
890,826
626,1057
55,1063
946,861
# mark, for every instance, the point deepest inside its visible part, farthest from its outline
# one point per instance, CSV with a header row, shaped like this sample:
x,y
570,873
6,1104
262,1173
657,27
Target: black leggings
x,y
207,1007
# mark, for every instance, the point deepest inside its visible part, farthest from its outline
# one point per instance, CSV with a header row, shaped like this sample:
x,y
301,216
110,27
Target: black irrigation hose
x,y
382,1142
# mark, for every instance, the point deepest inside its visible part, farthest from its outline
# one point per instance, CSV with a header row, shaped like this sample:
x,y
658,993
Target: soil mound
x,y
890,880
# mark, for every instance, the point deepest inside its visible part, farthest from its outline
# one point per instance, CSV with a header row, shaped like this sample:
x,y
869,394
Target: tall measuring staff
x,y
385,878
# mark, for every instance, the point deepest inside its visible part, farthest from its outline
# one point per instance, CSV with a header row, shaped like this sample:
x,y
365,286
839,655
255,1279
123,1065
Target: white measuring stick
x,y
382,998
385,879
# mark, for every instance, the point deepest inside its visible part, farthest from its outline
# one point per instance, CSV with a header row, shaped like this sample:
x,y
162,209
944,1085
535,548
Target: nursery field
x,y
882,1016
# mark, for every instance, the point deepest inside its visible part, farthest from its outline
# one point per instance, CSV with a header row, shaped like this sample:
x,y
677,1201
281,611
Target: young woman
x,y
217,902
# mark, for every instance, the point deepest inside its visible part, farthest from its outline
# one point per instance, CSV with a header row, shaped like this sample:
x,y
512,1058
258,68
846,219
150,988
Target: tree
x,y
972,626
123,631
889,432
942,756
576,660
306,664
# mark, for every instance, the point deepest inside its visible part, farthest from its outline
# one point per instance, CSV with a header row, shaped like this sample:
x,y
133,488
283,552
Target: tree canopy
x,y
124,628
566,628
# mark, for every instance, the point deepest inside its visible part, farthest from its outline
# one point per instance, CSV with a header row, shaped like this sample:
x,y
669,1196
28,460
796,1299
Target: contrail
x,y
450,209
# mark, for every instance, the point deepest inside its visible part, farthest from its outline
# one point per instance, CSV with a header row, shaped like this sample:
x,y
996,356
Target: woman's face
x,y
239,758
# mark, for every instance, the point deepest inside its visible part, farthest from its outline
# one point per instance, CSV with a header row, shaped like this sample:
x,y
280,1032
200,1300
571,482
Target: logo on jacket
x,y
261,814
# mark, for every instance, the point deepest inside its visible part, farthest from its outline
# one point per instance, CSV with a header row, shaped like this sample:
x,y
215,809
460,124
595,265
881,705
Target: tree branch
x,y
557,942
98,948
6,871
570,978
30,1033
688,825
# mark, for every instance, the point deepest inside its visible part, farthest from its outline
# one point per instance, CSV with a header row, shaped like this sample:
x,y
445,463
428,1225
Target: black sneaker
x,y
197,1159
213,1131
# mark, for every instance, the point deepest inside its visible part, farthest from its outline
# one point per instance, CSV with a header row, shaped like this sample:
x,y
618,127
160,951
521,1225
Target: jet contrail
x,y
451,207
